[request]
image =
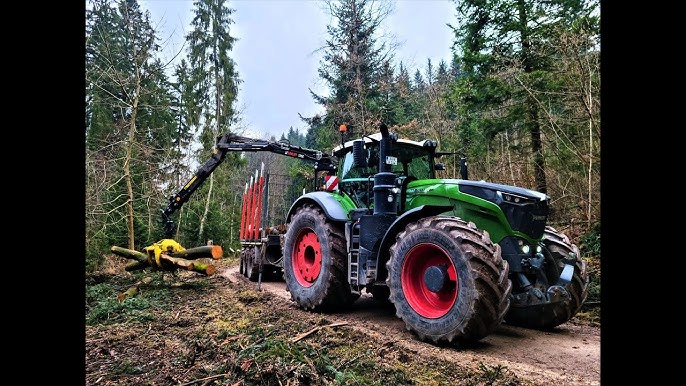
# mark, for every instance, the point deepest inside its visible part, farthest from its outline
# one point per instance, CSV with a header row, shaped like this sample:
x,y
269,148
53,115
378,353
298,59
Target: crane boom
x,y
232,142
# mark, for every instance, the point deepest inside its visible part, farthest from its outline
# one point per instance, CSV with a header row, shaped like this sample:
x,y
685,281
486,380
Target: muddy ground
x,y
189,329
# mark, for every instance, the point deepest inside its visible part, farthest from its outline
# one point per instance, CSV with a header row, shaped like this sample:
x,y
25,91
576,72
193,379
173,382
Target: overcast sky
x,y
276,52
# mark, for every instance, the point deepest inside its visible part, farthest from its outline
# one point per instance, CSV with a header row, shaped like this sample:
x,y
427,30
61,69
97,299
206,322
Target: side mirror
x,y
359,154
439,166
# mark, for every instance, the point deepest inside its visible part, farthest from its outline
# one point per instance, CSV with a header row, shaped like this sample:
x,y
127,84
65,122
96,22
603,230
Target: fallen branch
x,y
133,290
312,331
204,379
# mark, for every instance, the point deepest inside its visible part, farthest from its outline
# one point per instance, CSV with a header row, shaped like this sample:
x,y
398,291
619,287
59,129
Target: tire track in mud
x,y
566,355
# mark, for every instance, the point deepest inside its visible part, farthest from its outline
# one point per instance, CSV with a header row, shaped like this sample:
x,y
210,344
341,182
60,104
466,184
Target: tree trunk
x,y
127,162
537,147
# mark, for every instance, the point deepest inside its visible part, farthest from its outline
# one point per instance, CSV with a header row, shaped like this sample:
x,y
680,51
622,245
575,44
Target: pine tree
x,y
129,124
512,96
352,67
214,81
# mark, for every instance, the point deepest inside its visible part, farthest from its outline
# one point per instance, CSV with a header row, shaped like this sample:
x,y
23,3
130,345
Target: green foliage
x,y
593,268
357,71
103,307
490,374
589,243
128,119
127,367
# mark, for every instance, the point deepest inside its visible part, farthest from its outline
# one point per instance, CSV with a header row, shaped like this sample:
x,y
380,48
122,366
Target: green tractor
x,y
456,257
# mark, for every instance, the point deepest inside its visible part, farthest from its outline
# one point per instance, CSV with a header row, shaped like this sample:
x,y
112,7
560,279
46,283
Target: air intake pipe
x,y
384,181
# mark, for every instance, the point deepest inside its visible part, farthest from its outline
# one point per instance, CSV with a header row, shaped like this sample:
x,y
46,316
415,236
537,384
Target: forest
x,y
520,99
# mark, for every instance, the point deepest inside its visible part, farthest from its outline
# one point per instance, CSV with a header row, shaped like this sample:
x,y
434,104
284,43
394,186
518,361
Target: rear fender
x,y
398,225
331,207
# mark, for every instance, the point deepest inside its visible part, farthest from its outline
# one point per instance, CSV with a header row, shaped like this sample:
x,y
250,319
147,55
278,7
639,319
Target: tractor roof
x,y
376,137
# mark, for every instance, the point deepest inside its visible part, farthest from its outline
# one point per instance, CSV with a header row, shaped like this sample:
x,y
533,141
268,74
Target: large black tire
x,y
558,251
315,262
251,268
241,267
475,291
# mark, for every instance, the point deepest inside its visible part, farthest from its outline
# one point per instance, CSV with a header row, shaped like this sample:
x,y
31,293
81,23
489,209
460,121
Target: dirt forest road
x,y
568,355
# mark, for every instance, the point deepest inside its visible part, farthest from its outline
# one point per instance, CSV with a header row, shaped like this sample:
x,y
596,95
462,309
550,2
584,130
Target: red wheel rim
x,y
307,257
425,302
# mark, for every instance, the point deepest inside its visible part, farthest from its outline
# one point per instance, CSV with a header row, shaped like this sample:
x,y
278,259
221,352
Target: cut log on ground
x,y
169,263
213,251
166,262
131,292
207,269
136,265
129,254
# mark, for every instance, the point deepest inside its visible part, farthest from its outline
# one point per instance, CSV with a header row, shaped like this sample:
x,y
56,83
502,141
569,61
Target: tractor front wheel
x,y
315,264
448,280
560,254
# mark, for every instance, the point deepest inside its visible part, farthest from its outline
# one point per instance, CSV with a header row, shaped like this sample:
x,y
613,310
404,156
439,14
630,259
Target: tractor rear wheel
x,y
558,252
448,280
315,262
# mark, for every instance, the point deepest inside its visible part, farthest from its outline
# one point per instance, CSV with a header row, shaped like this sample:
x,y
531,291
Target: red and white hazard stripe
x,y
331,183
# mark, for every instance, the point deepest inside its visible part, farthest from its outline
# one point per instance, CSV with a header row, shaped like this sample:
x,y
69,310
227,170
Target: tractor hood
x,y
522,210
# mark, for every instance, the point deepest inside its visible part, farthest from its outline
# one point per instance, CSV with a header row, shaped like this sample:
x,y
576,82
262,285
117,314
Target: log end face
x,y
217,252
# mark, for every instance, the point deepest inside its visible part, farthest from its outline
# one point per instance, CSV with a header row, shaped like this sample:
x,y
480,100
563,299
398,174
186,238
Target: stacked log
x,y
171,260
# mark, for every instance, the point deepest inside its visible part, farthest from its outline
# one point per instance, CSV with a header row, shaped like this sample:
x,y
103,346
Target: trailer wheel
x,y
448,280
251,268
241,267
315,261
558,252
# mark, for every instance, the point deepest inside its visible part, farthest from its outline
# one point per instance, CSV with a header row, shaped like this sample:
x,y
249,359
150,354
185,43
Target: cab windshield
x,y
406,161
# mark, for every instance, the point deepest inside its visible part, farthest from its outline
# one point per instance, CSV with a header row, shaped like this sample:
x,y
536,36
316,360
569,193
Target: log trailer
x,y
456,257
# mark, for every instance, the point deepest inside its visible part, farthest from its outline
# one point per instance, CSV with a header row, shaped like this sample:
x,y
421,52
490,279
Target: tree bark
x,y
167,262
130,254
206,269
136,265
213,251
140,259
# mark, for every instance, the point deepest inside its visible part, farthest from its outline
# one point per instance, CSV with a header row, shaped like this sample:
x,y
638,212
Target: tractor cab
x,y
359,163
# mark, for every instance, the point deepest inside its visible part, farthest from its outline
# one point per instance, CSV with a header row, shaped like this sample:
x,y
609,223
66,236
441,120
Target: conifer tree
x,y
352,66
214,81
128,124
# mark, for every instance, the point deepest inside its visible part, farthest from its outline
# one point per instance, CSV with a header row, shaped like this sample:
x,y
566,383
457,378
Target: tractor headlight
x,y
539,249
526,249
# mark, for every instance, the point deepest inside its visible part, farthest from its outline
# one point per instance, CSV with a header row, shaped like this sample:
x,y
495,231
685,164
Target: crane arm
x,y
232,142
